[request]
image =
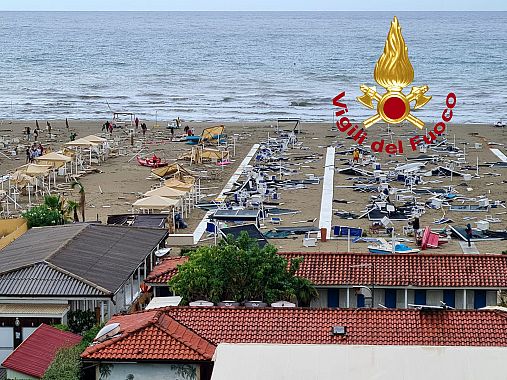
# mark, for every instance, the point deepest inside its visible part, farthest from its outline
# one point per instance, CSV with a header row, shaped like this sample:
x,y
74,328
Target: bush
x,y
66,365
80,320
39,216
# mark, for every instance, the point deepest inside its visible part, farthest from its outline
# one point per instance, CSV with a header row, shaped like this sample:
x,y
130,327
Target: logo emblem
x,y
393,71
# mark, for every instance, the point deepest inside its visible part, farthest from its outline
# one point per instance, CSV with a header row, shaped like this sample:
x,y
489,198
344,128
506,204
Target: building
x,y
394,281
51,270
175,340
33,357
162,273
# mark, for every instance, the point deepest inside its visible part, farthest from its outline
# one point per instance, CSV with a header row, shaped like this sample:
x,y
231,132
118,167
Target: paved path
x,y
466,249
499,154
326,203
199,231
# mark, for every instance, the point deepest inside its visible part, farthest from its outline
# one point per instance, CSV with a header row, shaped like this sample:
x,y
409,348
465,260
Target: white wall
x,y
14,375
151,371
332,362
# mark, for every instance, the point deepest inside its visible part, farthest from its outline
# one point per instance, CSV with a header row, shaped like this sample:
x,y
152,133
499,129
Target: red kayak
x,y
153,162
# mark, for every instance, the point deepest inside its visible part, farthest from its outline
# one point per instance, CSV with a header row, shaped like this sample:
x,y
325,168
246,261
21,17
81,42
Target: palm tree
x,y
56,203
82,198
72,207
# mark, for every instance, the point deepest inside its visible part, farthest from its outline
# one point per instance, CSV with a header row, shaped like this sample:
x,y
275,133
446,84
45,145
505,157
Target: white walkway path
x,y
499,154
326,205
199,231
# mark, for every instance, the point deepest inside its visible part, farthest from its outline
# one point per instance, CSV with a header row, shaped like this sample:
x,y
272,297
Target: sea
x,y
242,66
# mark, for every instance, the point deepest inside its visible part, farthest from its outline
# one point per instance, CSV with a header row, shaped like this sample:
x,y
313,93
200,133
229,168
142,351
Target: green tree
x,y
82,197
240,270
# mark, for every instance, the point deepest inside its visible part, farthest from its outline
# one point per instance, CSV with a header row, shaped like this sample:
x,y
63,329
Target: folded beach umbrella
x,y
66,123
37,124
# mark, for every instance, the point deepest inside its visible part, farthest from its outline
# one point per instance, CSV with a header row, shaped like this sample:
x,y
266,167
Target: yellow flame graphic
x,y
393,70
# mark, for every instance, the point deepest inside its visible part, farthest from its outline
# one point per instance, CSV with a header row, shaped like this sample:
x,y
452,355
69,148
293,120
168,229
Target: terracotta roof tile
x,y
423,270
191,333
165,270
35,354
152,335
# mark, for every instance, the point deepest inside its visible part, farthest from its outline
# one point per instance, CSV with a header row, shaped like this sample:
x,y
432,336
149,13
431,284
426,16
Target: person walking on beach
x,y
468,231
35,134
355,156
136,121
28,133
172,133
49,129
27,156
143,128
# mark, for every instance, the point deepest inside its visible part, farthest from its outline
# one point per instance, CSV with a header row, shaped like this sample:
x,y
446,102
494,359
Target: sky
x,y
250,5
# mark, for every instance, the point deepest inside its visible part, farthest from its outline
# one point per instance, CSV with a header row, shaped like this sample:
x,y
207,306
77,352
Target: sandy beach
x,y
119,181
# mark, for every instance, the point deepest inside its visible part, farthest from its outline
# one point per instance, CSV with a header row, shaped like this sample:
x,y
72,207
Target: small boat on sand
x,y
153,162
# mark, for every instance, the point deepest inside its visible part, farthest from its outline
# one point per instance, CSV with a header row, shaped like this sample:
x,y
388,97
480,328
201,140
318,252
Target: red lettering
x,y
336,101
439,128
445,117
391,148
377,146
414,142
343,124
430,139
450,96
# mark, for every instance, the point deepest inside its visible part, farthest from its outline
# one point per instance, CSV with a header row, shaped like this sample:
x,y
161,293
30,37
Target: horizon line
x,y
253,10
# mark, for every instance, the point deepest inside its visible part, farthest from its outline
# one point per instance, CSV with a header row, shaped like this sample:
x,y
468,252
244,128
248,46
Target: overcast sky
x,y
245,5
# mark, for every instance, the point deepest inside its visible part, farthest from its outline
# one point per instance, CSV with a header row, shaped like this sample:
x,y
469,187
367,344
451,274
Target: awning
x,y
165,192
40,310
156,202
95,139
81,142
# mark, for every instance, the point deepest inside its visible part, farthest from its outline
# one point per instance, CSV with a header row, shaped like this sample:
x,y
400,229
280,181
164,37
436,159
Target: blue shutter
x,y
420,297
333,297
390,298
479,299
360,300
450,297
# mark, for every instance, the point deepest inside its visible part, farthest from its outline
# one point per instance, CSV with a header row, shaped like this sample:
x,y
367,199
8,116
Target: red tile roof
x,y
152,335
165,270
422,270
297,326
35,354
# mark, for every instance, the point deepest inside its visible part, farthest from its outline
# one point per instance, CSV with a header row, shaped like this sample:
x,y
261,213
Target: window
x,y
390,298
420,297
333,297
479,299
450,297
360,300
